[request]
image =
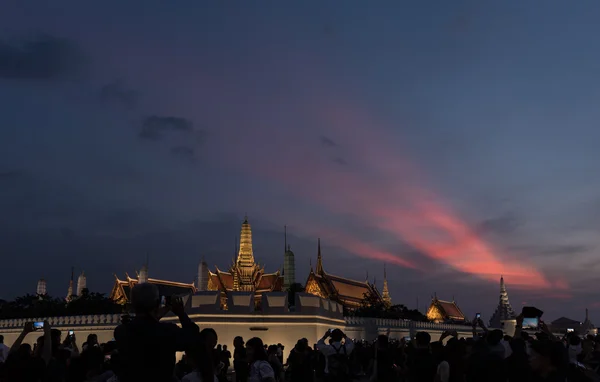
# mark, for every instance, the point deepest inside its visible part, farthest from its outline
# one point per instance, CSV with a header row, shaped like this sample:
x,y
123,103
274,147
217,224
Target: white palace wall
x,y
274,323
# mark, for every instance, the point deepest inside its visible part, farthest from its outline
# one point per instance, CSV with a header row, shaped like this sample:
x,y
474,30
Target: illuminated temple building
x,y
444,311
349,293
244,274
122,288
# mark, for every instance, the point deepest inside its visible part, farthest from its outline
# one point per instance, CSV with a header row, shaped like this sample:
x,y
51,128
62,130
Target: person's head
x,y
238,342
546,356
92,339
209,337
272,349
1,339
574,341
422,340
145,299
494,337
219,348
337,335
224,347
256,350
24,350
200,358
301,346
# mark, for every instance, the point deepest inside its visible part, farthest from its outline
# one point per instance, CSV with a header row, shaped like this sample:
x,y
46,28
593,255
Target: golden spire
x,y
245,254
387,299
319,258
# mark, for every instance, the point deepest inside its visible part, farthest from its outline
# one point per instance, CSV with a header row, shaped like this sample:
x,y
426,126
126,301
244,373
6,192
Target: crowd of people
x,y
144,349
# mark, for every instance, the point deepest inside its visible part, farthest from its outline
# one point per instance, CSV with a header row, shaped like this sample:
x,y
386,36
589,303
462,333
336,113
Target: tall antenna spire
x,y
72,272
285,238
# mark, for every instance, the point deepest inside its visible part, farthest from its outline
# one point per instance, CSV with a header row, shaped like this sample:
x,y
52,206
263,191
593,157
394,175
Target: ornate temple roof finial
x,y
319,258
385,295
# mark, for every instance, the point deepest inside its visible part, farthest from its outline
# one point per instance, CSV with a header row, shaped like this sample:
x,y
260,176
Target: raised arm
x,y
185,335
47,347
519,326
28,328
321,343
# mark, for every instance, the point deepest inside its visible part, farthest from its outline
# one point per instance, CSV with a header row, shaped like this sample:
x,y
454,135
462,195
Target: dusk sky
x,y
453,141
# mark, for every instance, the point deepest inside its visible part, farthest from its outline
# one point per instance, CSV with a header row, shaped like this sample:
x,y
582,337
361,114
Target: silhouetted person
x,y
260,369
240,360
147,347
422,366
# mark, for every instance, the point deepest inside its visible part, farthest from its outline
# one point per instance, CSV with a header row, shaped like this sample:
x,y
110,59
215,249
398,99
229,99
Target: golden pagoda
x,y
349,293
385,295
244,274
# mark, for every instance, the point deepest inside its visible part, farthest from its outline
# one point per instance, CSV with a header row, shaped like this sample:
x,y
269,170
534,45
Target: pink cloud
x,y
383,188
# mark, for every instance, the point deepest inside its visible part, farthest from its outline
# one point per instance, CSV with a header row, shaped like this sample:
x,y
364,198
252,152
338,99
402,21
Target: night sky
x,y
455,141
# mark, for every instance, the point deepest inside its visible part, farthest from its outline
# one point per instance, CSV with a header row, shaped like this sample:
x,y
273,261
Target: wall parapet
x,y
66,321
403,324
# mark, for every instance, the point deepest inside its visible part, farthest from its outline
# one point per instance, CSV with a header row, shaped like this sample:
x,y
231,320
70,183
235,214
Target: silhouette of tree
x,y
92,303
30,306
373,306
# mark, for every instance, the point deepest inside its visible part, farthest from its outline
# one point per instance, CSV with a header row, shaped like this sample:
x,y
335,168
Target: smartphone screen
x,y
531,323
478,315
71,332
570,330
38,325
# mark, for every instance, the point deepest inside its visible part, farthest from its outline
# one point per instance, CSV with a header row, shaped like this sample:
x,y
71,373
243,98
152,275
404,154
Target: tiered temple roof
x,y
443,311
504,311
349,293
122,288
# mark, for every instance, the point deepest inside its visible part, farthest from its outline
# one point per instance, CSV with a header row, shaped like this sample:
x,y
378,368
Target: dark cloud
x,y
44,58
551,250
155,127
116,92
339,160
327,142
503,225
183,152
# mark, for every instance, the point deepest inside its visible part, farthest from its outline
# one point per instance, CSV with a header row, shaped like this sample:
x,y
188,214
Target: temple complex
x,y
349,293
504,312
244,274
444,311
